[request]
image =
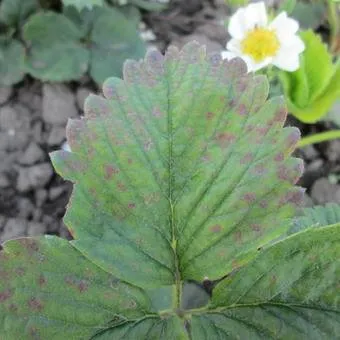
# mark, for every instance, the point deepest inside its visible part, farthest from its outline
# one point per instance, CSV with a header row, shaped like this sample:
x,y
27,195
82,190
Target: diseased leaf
x,y
49,290
317,216
11,62
289,291
184,193
55,52
167,186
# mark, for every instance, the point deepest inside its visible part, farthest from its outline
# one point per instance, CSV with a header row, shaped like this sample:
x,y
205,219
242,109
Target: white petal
x,y
233,45
228,55
256,14
236,27
247,18
284,26
292,45
287,61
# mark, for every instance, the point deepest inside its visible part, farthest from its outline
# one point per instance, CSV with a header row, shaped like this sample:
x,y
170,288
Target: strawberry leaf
x,y
167,186
183,197
47,288
289,291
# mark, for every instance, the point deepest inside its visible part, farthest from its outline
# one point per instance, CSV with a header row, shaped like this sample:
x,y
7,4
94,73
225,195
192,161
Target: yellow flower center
x,y
260,43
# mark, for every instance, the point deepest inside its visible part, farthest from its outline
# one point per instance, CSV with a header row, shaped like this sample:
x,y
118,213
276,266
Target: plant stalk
x,y
319,137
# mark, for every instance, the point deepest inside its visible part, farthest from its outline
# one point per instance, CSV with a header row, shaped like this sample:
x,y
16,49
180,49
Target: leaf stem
x,y
319,137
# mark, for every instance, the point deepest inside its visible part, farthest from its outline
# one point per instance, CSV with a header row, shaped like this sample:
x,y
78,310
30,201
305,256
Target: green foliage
x,y
182,172
113,40
63,59
11,61
99,40
15,12
318,216
81,4
310,15
314,87
64,46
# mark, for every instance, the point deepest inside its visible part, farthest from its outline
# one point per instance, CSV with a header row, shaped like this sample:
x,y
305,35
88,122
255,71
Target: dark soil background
x,y
33,117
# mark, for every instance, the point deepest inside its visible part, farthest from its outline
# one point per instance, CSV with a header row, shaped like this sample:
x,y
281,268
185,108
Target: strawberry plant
x,y
184,193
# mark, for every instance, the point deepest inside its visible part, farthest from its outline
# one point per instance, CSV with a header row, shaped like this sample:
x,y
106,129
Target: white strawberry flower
x,y
260,43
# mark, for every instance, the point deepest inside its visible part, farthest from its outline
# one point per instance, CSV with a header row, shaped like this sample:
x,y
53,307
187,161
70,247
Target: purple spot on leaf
x,y
209,115
279,157
249,197
247,158
35,304
5,295
217,228
242,110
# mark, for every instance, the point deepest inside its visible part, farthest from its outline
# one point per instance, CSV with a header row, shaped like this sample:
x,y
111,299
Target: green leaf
x,y
165,185
309,15
318,216
55,52
289,291
48,290
287,6
14,12
81,4
114,39
183,184
314,87
11,62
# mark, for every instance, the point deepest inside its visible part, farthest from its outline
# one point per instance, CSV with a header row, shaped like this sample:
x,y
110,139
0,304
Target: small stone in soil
x,y
323,191
40,197
56,136
5,93
4,181
35,229
81,95
32,155
25,207
36,176
14,227
333,151
58,104
55,192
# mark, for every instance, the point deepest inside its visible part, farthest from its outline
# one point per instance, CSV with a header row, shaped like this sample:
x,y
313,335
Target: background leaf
x,y
11,62
14,12
81,4
318,216
55,52
310,15
114,39
314,87
48,290
164,186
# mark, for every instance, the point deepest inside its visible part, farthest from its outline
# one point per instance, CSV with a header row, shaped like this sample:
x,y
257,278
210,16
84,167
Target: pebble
x,y
58,104
56,136
81,95
14,228
323,191
32,154
36,176
5,93
35,229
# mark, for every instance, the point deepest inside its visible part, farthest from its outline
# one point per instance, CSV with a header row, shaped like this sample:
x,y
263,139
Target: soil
x,y
33,116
